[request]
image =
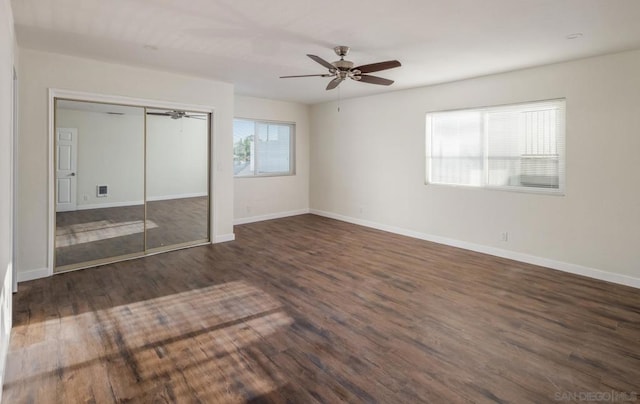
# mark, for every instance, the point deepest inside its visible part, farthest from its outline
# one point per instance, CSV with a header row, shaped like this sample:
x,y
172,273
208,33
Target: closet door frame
x,y
54,94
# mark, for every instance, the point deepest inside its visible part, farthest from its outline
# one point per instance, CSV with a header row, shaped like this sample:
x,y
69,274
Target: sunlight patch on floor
x,y
99,230
200,335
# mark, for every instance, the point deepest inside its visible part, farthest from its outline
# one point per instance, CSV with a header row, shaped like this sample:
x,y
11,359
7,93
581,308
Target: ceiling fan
x,y
341,69
177,114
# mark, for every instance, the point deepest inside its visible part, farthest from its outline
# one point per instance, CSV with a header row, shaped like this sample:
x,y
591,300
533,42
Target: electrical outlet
x,y
85,197
504,236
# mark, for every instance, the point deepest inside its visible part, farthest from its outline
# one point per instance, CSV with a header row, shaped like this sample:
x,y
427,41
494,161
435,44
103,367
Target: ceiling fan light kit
x,y
342,69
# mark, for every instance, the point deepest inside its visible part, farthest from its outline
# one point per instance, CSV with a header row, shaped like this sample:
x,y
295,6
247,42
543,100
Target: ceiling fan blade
x,y
334,83
159,113
376,67
307,75
375,80
322,62
201,117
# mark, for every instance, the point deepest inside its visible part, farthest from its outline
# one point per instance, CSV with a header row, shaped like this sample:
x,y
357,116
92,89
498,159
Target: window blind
x,y
519,146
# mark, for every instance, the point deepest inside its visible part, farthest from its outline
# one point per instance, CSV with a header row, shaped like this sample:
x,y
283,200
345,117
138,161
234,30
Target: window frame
x,y
562,173
292,148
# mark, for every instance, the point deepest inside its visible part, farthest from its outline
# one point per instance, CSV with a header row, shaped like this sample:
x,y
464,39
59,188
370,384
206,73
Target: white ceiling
x,y
251,43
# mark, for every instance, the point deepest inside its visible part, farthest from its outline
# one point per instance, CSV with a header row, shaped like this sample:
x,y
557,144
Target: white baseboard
x,y
498,252
135,203
24,276
109,205
4,352
223,238
179,196
6,303
270,216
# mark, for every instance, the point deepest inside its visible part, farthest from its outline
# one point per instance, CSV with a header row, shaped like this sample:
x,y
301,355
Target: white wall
x,y
110,152
368,166
40,71
258,198
7,46
176,157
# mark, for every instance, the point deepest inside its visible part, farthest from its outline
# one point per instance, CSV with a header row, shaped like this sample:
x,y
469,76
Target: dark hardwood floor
x,y
308,309
93,234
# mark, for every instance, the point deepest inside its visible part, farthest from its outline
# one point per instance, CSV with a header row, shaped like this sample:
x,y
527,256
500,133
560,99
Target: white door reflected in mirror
x,y
66,165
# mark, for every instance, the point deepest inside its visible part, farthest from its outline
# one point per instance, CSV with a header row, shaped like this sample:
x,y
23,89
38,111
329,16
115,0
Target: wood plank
x,y
308,309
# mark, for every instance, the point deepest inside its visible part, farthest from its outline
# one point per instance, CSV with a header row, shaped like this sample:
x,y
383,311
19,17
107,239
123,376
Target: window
x,y
262,148
508,147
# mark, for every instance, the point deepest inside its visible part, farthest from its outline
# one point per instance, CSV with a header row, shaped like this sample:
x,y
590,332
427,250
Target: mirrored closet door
x,y
129,180
177,191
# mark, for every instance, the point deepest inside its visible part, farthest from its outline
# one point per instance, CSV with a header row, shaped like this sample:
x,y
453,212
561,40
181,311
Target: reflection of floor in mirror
x,y
87,235
101,230
178,220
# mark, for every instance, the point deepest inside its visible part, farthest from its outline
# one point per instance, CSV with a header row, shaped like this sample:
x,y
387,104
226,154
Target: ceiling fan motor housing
x,y
343,65
343,69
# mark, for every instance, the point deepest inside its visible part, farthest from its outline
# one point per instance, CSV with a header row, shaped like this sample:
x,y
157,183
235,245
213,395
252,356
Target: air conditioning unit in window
x,y
540,171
